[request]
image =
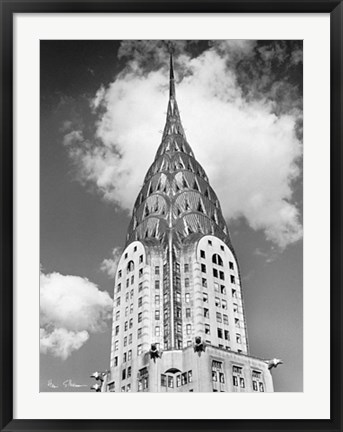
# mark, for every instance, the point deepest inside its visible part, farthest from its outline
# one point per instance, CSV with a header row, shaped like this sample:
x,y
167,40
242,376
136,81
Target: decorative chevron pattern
x,y
176,195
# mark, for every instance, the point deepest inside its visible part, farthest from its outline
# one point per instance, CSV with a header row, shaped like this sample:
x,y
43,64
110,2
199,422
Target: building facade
x,y
178,315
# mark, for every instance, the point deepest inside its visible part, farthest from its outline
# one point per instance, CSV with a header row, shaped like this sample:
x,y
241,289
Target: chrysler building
x,y
178,314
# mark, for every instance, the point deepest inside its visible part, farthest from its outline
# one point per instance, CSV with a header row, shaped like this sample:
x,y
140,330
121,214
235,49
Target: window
x,y
178,312
226,335
209,242
216,287
178,296
237,322
170,382
188,313
207,329
206,313
238,338
186,268
220,333
126,311
123,374
232,279
178,328
140,273
130,323
261,387
140,259
139,349
119,288
186,282
219,317
187,297
215,273
125,341
157,284
118,301
204,282
190,376
256,374
184,378
124,357
135,249
241,382
119,274
216,259
127,282
131,308
139,333
188,329
117,315
217,301
127,297
205,297
235,381
125,256
132,279
140,301
203,268
221,275
178,380
140,315
130,338
126,325
129,356
222,289
225,319
224,304
217,372
157,270
234,293
157,331
231,265
140,286
157,314
116,345
235,307
163,380
254,385
157,300
202,254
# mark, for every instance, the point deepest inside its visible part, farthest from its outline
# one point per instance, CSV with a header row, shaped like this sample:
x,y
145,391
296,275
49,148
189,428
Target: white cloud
x,y
249,153
71,308
109,265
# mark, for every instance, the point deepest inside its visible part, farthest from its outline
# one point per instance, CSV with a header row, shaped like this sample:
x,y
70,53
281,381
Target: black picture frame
x,y
11,7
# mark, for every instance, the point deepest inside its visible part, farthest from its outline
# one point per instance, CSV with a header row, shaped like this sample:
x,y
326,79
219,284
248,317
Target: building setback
x,y
178,315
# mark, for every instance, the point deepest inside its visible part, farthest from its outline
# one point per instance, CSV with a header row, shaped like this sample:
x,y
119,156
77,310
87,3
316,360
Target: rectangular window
x,y
132,279
139,333
188,313
127,282
187,297
131,308
190,376
219,317
135,249
119,274
237,322
116,361
178,380
178,328
140,315
184,377
231,265
217,301
130,338
221,275
215,273
117,315
126,325
178,296
157,331
140,286
202,254
127,297
116,345
222,248
178,312
234,293
261,387
235,381
140,272
220,333
157,270
157,315
226,335
129,371
224,304
139,349
123,374
225,319
118,301
163,380
207,329
118,288
124,357
131,294
254,386
130,323
188,329
125,341
125,256
186,268
216,287
129,356
203,268
241,382
157,300
186,283
232,279
140,301
205,297
157,284
204,282
235,307
140,259
222,289
209,242
170,382
238,338
206,313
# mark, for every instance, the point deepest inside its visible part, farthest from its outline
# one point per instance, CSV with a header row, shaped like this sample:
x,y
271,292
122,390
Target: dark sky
x,y
102,106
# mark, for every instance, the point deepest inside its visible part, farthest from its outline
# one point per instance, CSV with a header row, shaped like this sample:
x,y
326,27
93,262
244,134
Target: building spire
x,y
171,75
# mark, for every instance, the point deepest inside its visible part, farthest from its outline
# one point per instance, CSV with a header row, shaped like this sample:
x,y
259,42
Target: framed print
x,y
171,220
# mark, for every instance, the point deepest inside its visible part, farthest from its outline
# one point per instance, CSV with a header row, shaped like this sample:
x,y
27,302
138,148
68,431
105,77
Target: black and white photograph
x,y
171,216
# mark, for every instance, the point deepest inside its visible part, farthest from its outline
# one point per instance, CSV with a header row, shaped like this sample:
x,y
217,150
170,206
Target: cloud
x,y
242,115
71,308
109,265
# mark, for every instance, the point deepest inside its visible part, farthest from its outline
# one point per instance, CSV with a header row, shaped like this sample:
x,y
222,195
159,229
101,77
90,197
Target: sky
x,y
103,107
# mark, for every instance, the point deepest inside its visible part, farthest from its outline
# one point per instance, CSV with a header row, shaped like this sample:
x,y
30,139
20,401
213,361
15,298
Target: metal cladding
x,y
176,197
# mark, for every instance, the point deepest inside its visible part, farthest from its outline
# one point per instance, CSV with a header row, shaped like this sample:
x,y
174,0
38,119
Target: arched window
x,y
130,266
216,259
